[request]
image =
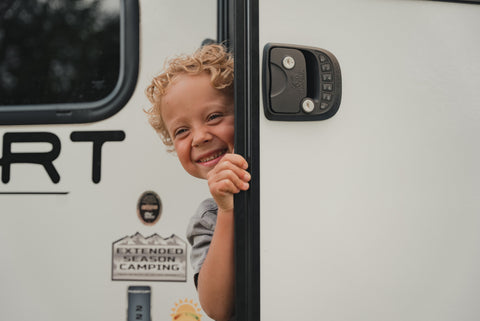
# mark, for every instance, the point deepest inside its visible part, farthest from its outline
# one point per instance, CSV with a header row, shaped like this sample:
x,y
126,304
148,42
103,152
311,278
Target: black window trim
x,y
90,111
247,204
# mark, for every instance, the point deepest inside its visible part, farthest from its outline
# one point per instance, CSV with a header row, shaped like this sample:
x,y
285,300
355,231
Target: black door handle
x,y
300,83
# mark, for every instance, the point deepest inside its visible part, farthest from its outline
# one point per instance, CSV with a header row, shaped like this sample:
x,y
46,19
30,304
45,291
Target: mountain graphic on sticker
x,y
154,239
136,239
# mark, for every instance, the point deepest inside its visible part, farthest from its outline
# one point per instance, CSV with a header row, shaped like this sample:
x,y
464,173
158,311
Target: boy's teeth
x,y
203,160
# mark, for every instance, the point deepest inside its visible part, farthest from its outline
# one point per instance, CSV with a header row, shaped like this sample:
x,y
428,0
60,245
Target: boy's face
x,y
200,121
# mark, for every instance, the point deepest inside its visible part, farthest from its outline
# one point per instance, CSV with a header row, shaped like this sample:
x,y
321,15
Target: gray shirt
x,y
200,233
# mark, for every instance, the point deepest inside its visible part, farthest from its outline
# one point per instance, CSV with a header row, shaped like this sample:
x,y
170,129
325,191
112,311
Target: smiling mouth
x,y
212,157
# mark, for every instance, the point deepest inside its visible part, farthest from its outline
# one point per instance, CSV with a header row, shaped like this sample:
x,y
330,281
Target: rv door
x,y
369,212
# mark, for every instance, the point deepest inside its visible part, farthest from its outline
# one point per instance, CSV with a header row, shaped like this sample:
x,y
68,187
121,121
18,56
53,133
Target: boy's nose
x,y
201,137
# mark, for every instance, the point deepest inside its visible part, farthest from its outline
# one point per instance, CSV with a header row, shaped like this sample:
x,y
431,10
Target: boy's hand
x,y
228,177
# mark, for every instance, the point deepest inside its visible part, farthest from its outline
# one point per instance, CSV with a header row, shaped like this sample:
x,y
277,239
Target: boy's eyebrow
x,y
174,124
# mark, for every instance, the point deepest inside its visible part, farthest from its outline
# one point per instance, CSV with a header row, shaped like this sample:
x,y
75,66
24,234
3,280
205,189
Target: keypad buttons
x,y
327,87
327,77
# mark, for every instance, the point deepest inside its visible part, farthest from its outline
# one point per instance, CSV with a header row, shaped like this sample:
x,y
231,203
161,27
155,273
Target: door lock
x,y
300,83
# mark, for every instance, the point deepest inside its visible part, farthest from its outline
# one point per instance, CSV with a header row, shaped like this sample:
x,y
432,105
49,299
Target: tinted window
x,y
59,52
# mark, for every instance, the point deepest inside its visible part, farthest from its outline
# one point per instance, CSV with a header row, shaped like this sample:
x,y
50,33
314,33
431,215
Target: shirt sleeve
x,y
200,233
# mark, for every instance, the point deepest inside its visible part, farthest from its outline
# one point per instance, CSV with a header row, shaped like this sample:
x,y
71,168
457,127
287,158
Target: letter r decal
x,y
45,159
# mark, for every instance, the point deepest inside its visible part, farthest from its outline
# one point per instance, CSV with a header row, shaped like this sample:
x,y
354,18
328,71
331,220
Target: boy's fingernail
x,y
247,176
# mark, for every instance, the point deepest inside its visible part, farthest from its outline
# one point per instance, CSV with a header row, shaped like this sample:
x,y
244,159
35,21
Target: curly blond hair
x,y
212,59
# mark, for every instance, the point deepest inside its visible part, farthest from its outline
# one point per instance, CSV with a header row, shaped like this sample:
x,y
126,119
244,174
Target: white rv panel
x,y
57,248
374,213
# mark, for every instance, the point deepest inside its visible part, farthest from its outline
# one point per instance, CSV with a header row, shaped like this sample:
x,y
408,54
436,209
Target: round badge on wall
x,y
149,208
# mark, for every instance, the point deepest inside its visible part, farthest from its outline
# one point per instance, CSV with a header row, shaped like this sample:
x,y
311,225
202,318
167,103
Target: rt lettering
x,y
98,138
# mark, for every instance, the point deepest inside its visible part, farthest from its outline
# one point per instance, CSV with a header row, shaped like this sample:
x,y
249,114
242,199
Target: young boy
x,y
193,111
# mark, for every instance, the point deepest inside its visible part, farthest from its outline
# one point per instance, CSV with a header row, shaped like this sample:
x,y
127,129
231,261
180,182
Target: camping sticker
x,y
150,258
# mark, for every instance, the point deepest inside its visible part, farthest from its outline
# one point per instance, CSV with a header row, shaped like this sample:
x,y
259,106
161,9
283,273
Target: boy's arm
x,y
216,279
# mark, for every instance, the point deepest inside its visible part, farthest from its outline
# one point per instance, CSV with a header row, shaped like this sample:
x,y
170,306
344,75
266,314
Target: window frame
x,y
87,112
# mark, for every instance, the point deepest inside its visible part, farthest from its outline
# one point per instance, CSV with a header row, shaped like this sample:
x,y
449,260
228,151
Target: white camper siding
x,y
374,213
57,249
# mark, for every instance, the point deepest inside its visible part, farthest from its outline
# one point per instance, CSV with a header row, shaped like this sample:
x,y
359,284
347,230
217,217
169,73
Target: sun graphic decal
x,y
186,311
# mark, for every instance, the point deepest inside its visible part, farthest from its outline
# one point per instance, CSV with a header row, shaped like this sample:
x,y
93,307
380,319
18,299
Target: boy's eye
x,y
179,132
214,116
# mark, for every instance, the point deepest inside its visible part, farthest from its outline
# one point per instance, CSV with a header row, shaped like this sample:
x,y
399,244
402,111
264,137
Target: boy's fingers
x,y
235,159
223,190
235,175
235,163
227,186
228,168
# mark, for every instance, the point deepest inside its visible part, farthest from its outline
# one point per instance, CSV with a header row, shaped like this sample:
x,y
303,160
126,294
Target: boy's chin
x,y
201,170
200,174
